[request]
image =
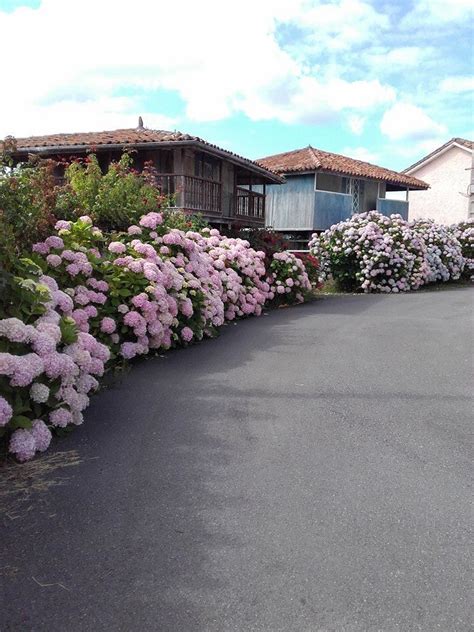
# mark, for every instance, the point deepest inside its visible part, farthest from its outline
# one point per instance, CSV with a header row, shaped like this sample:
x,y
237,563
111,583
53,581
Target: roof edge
x,y
209,147
436,153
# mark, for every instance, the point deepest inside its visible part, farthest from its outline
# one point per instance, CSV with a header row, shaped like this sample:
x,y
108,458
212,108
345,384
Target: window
x,y
355,187
206,167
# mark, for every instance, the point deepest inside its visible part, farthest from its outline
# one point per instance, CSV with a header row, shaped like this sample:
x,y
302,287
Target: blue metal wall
x,y
330,208
388,207
291,205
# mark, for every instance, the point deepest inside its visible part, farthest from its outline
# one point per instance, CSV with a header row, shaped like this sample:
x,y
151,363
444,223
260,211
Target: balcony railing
x,y
191,193
249,204
198,194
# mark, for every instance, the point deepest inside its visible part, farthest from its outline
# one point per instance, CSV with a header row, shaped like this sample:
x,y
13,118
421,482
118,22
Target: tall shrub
x,y
443,251
372,253
464,233
113,200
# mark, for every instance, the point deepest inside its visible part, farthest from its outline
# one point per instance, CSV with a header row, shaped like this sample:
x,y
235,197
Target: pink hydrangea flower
x,y
22,445
151,220
41,435
134,230
62,225
54,260
107,325
54,242
117,247
41,248
128,350
6,411
187,334
60,417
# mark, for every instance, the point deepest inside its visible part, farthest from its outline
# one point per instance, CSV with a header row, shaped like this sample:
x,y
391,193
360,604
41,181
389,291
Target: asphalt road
x,y
306,471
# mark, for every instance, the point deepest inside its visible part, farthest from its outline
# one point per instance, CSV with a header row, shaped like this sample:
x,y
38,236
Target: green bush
x,y
113,200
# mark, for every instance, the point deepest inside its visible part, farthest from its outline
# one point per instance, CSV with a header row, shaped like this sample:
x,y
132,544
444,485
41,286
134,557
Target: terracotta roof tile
x,y
312,159
123,137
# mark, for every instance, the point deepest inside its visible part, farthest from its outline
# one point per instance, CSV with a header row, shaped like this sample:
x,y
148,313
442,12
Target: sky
x,y
377,80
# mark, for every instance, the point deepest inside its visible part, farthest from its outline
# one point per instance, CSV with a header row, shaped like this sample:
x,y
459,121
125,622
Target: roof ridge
x,y
315,156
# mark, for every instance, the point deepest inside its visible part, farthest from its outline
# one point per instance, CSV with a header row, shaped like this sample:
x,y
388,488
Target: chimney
x,y
140,123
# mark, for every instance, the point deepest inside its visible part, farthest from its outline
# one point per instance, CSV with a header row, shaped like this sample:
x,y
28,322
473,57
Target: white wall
x,y
448,176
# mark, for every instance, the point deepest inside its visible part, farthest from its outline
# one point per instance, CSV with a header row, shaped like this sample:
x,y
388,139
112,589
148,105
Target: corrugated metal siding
x,y
291,205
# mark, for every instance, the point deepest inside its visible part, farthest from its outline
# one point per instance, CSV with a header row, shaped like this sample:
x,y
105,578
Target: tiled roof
x,y
312,159
56,143
469,144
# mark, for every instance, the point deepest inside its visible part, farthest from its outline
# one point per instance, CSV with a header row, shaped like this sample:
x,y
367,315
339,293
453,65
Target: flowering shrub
x,y
262,239
114,199
464,233
443,251
372,252
290,282
30,186
88,300
311,265
47,367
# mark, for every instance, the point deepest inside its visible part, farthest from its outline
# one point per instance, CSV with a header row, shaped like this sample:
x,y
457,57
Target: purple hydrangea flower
x,y
22,445
60,417
6,411
41,435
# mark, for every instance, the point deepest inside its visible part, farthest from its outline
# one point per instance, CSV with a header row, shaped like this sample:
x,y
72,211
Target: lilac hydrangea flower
x,y
107,325
117,247
22,445
6,411
187,334
60,417
41,435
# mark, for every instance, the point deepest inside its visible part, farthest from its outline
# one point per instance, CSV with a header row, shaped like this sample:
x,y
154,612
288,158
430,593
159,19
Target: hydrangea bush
x,y
443,251
47,367
372,253
464,233
289,279
96,300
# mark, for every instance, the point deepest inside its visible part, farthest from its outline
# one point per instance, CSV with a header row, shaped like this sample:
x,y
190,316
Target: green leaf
x,y
30,267
20,421
68,330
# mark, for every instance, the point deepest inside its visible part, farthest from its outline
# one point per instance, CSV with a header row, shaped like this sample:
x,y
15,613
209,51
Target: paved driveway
x,y
306,471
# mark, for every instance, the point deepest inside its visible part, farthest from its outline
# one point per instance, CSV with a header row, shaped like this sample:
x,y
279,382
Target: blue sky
x,y
381,81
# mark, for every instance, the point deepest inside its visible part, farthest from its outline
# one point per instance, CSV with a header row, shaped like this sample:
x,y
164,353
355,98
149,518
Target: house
x,y
322,188
200,176
449,170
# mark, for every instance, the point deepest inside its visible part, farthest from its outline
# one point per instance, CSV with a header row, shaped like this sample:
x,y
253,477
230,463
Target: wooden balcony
x,y
192,193
205,196
249,206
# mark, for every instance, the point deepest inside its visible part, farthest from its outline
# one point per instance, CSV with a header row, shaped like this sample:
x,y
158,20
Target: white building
x,y
449,172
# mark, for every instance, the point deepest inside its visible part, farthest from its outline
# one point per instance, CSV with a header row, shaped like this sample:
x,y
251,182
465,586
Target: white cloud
x,y
360,153
74,61
440,11
407,122
457,84
68,115
387,60
339,25
356,124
